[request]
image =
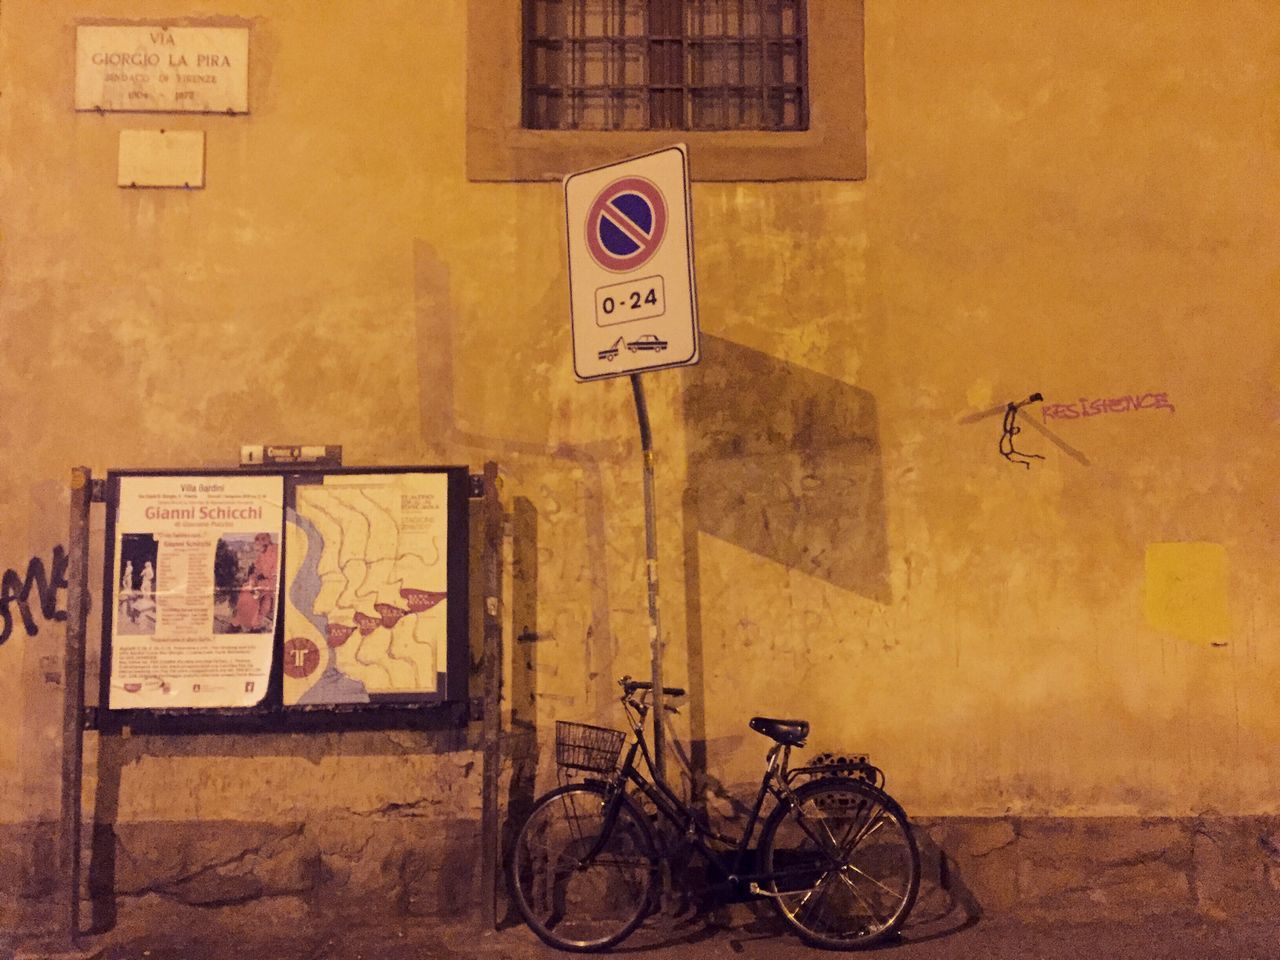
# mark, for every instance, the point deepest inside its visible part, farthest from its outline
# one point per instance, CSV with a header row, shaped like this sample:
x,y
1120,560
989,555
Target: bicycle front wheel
x,y
582,875
844,868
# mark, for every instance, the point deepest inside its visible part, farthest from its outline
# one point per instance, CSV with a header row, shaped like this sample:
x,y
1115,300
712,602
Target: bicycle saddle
x,y
789,732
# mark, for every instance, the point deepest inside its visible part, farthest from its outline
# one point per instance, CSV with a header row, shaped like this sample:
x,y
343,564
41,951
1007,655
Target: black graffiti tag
x,y
14,590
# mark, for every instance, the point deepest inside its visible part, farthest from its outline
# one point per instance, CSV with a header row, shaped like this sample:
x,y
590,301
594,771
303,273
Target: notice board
x,y
278,594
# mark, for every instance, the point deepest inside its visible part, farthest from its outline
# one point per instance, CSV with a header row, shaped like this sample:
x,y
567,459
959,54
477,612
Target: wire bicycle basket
x,y
581,746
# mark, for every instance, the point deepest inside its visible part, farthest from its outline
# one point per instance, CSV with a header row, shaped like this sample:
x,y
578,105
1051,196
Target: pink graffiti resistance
x,y
1093,408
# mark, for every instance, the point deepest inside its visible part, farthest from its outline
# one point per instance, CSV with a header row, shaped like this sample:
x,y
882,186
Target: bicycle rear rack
x,y
851,765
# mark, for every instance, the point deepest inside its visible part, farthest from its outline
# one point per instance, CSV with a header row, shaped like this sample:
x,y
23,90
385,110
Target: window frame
x,y
500,148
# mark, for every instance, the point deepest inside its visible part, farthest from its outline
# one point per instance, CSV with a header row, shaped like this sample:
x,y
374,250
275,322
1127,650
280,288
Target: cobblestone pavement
x,y
735,933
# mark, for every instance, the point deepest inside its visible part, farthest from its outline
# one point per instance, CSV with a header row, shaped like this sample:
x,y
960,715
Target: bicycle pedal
x,y
737,891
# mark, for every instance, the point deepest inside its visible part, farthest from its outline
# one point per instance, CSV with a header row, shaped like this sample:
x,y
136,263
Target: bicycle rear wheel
x,y
845,867
575,891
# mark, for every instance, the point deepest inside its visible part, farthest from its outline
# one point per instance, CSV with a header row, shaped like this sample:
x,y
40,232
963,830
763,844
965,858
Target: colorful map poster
x,y
195,590
366,589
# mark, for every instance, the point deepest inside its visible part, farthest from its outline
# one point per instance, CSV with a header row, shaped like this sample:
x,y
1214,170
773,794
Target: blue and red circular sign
x,y
626,224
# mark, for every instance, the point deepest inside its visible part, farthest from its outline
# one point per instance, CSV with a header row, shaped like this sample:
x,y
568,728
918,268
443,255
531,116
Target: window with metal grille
x,y
665,65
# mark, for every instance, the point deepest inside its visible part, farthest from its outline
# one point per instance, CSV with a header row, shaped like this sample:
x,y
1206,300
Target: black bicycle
x,y
836,855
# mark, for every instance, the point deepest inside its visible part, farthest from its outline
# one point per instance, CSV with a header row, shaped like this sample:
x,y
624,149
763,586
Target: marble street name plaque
x,y
162,69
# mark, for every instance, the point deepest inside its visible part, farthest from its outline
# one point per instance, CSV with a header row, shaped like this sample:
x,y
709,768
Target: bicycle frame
x,y
774,783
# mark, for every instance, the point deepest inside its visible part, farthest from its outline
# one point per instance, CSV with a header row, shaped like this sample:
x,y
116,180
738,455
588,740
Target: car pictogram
x,y
649,341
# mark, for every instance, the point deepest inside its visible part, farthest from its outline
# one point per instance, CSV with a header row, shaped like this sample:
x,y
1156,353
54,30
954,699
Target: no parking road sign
x,y
626,224
632,299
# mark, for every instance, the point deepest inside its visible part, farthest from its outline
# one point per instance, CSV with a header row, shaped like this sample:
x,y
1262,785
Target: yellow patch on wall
x,y
1186,590
980,393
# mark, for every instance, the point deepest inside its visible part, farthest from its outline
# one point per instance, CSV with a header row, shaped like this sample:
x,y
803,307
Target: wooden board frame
x,y
447,707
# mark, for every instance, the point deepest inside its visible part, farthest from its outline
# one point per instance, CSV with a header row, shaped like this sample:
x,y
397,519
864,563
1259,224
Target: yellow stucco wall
x,y
1067,197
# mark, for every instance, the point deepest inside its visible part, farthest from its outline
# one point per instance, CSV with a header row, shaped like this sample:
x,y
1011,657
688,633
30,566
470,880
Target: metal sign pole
x,y
651,569
633,307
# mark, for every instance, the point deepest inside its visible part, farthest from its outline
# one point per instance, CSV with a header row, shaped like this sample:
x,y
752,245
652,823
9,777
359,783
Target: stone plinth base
x,y
1052,869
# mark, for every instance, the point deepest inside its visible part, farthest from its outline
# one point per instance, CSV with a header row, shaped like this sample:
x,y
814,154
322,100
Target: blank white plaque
x,y
161,158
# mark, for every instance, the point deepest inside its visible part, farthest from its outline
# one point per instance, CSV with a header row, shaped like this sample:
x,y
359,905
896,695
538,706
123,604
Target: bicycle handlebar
x,y
630,686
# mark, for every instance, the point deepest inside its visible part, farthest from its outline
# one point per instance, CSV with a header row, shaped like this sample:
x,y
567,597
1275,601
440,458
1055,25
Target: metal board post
x,y
492,722
66,942
73,696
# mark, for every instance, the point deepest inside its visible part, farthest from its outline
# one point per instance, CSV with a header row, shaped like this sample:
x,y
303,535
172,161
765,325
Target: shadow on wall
x,y
785,462
440,422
